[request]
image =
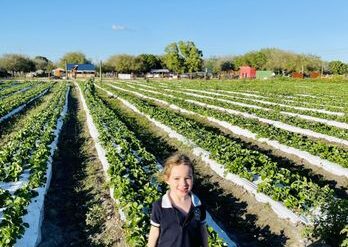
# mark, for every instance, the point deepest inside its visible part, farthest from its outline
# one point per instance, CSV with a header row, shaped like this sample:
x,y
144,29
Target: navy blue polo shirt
x,y
177,229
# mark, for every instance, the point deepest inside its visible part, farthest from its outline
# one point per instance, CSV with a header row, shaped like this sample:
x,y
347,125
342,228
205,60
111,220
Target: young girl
x,y
178,218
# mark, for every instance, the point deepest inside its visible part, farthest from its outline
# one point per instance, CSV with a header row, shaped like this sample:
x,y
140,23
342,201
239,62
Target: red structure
x,y
314,74
247,72
297,75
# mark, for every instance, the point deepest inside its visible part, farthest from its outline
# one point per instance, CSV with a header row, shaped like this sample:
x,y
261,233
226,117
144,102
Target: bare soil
x,y
78,207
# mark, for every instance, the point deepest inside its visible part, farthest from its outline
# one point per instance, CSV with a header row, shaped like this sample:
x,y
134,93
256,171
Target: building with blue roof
x,y
81,70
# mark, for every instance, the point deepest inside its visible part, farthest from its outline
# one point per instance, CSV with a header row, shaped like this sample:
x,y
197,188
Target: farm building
x,y
126,76
247,72
81,70
58,72
264,74
158,73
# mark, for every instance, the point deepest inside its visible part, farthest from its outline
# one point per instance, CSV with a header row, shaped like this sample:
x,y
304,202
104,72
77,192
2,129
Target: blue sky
x,y
221,27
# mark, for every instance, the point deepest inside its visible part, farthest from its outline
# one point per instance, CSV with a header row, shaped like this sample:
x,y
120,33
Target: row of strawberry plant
x,y
19,120
278,102
8,84
10,103
268,92
132,170
339,116
17,88
338,111
284,117
322,98
162,151
326,96
29,150
283,100
319,148
314,92
16,153
295,191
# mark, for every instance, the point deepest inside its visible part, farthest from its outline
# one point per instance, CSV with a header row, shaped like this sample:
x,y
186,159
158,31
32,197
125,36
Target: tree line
x,y
182,57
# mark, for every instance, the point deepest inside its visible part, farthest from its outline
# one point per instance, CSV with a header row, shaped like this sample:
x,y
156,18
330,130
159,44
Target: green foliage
x,y
73,57
148,62
338,67
131,170
214,240
344,233
296,191
124,63
42,63
173,60
192,56
15,100
256,59
183,57
16,63
331,225
29,148
279,61
217,65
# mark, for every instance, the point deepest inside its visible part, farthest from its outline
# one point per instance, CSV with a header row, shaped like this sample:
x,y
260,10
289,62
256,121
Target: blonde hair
x,y
175,160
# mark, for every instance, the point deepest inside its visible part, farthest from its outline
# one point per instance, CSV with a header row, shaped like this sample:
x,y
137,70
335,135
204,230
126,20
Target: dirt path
x,y
78,207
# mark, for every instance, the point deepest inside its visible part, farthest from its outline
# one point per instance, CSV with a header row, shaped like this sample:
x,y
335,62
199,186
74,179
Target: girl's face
x,y
180,180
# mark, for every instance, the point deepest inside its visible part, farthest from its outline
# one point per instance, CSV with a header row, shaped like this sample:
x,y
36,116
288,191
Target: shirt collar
x,y
167,204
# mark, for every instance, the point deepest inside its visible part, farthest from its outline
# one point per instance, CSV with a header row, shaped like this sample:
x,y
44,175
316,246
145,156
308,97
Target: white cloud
x,y
117,27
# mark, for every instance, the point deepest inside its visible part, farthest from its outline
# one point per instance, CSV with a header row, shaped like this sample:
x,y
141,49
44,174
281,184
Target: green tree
x,y
43,63
217,65
172,59
256,59
338,67
16,63
226,66
192,56
285,62
124,63
213,65
148,62
183,57
73,57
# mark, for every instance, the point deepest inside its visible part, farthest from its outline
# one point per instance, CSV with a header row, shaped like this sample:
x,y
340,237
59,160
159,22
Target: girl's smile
x,y
180,181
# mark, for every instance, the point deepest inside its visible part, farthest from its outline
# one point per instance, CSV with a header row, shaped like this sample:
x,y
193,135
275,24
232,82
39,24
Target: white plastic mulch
x,y
34,217
312,159
334,123
19,108
277,207
267,97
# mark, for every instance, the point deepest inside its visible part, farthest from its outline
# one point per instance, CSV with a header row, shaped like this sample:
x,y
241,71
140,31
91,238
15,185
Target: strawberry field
x,y
271,155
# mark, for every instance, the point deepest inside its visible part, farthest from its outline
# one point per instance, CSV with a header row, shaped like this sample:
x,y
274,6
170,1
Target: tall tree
x,y
192,56
216,65
172,59
183,57
256,59
43,63
212,64
124,63
148,62
73,57
338,67
16,63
